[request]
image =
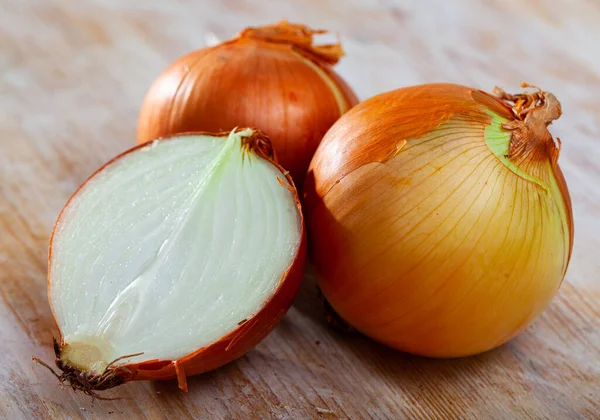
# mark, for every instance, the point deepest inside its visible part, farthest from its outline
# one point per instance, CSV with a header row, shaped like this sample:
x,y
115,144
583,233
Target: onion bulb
x,y
173,259
438,219
272,77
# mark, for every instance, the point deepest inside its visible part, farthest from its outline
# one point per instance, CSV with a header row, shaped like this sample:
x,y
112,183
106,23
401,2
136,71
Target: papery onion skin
x,y
427,232
236,343
271,78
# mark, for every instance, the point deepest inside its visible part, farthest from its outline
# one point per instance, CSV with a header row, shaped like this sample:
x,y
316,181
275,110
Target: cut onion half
x,y
173,259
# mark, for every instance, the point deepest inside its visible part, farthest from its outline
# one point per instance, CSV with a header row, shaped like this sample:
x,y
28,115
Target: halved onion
x,y
174,258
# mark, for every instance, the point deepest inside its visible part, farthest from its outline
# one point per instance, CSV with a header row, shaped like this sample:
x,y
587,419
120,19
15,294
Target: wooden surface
x,y
73,76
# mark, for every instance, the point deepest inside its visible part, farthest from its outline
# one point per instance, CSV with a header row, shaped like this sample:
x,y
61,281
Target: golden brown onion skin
x,y
423,237
270,78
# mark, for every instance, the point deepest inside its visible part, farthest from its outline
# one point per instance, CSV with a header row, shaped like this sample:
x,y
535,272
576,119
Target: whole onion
x,y
272,78
439,221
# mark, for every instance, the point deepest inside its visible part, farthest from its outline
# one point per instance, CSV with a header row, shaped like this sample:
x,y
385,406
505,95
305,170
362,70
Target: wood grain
x,y
73,76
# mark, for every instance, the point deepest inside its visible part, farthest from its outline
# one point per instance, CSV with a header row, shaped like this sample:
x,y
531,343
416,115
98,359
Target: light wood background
x,y
73,74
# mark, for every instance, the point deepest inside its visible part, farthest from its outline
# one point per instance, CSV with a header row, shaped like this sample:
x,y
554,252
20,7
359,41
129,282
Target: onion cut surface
x,y
187,250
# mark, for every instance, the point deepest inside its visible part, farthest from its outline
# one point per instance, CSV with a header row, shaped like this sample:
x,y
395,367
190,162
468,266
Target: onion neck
x,y
257,142
531,141
522,142
299,37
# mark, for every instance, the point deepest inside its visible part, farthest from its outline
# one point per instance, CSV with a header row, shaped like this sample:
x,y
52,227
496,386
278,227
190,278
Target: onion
x,y
272,78
173,259
439,221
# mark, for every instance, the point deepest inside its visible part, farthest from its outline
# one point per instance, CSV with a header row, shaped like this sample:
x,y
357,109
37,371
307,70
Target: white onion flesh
x,y
169,247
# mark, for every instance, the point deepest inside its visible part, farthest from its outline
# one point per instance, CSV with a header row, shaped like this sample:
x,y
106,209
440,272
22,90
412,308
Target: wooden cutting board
x,y
74,73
